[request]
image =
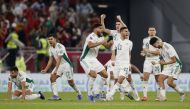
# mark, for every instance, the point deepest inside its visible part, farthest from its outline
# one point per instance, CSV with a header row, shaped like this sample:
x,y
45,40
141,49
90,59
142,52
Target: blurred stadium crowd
x,y
26,23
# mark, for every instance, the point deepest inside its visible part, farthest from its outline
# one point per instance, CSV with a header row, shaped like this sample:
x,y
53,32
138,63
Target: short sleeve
x,y
131,46
112,32
50,53
22,77
61,50
144,43
172,52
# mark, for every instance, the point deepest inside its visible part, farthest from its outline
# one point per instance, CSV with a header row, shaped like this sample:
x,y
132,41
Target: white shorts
x,y
172,70
121,70
91,64
66,70
150,68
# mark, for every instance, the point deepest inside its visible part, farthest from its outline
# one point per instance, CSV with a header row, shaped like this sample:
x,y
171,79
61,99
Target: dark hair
x,y
14,68
151,27
51,35
122,28
96,25
153,40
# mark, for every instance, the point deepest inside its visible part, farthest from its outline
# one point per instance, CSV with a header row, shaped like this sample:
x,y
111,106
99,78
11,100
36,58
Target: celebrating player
x,y
171,70
63,67
151,54
88,59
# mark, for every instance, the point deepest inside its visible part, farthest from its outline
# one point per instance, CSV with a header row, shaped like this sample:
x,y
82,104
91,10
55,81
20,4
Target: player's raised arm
x,y
9,90
120,20
102,17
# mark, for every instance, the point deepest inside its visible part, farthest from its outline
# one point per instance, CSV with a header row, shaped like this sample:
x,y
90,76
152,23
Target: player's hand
x,y
142,53
162,62
118,17
113,63
103,16
103,42
43,71
153,62
146,50
141,77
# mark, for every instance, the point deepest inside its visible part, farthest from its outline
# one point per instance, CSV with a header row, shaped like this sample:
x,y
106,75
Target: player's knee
x,y
92,74
105,75
170,83
71,82
53,78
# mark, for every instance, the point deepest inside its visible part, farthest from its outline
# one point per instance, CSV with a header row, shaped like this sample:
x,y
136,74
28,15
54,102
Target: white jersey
x,y
21,77
91,53
115,34
123,49
146,44
168,51
59,50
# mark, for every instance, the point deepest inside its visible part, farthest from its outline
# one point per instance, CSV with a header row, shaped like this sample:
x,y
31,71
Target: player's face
x,y
157,44
51,41
13,74
117,25
125,33
152,32
99,30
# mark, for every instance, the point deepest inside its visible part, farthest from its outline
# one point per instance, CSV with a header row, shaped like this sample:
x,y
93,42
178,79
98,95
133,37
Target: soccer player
x,y
116,35
171,70
63,67
88,59
151,54
121,61
24,85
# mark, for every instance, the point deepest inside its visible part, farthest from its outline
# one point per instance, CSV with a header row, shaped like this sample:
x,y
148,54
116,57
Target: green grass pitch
x,y
69,102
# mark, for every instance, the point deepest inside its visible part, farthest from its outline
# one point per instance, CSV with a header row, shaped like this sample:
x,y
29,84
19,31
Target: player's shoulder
x,y
167,45
91,36
60,46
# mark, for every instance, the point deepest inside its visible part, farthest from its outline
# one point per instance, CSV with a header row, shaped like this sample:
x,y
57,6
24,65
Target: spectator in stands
x,y
53,9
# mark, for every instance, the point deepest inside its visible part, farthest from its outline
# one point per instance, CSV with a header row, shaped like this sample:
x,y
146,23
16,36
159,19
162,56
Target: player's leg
x,y
135,93
68,73
110,94
146,73
17,95
161,80
30,96
156,72
103,81
53,78
88,68
170,82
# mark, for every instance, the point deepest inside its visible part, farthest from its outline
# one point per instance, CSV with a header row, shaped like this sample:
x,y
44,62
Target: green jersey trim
x,y
85,53
67,60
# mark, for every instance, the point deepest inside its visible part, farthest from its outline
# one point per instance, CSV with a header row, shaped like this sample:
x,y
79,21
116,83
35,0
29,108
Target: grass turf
x,y
69,102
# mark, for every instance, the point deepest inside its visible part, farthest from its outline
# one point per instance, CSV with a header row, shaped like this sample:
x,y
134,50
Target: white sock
x,y
113,90
178,90
135,93
54,88
125,86
90,85
111,84
145,88
163,93
76,89
157,90
32,97
16,97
